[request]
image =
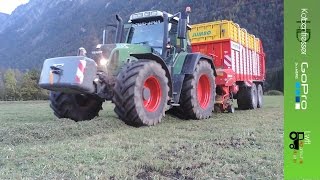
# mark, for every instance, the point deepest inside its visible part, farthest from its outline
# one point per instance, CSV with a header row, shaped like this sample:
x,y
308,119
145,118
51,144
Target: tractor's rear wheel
x,y
260,96
247,97
141,93
198,93
78,107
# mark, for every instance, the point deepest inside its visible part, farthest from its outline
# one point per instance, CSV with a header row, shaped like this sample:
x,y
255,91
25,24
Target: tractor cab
x,y
164,33
158,30
147,35
148,28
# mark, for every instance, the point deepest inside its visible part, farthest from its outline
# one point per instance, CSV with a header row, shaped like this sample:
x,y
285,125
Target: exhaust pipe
x,y
104,37
119,33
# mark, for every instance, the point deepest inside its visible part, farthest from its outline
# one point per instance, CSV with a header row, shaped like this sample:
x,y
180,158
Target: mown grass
x,y
244,145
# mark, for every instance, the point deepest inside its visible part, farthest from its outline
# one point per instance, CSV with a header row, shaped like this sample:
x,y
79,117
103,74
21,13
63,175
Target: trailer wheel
x,y
141,93
247,97
198,92
78,107
260,96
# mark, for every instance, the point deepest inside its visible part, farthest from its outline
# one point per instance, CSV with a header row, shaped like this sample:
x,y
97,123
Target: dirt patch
x,y
148,172
234,142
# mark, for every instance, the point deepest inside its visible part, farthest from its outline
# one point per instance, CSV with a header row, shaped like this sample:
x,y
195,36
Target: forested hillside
x,y
46,28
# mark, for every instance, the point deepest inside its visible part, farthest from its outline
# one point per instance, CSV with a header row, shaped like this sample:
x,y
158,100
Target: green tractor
x,y
148,70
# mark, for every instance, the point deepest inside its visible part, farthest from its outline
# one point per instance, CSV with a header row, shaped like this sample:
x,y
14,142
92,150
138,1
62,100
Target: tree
x,y
10,82
2,88
29,86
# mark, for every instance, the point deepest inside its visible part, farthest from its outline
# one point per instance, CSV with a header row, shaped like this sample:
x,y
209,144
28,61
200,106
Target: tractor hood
x,y
111,57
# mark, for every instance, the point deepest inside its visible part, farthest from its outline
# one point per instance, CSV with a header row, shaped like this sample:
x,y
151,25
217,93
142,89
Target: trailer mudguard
x,y
158,59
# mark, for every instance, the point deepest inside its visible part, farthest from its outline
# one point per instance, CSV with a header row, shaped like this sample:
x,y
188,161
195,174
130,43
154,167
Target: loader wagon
x,y
239,60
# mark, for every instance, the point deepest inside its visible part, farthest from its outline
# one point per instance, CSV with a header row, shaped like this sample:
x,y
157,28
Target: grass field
x,y
244,145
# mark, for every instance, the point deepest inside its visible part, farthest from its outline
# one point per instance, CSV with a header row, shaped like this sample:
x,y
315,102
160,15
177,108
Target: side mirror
x,y
182,29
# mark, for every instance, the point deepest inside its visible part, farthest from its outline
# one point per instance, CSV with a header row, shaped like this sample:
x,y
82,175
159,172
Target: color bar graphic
x,y
297,104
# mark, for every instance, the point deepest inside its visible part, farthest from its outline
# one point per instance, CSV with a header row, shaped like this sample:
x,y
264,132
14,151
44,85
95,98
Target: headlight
x,y
98,46
103,62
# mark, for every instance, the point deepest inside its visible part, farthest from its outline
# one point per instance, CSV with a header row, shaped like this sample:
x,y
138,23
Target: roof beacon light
x,y
188,11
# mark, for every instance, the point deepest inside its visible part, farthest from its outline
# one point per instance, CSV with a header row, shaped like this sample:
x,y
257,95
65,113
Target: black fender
x,y
192,60
189,67
158,59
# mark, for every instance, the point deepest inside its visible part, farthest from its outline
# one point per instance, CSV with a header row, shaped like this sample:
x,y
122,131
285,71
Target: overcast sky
x,y
7,6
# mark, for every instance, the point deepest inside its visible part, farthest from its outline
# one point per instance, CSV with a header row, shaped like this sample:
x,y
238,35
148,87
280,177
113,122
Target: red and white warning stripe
x,y
227,60
80,71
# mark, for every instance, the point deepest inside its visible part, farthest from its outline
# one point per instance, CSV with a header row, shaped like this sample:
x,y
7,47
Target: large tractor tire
x,y
141,93
198,93
78,107
247,97
260,96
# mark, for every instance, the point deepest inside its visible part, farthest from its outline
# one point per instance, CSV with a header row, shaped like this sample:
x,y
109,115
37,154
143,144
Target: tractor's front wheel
x,y
78,107
141,93
198,93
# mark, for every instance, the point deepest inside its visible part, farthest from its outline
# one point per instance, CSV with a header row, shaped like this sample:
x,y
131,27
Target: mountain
x,y
3,18
44,28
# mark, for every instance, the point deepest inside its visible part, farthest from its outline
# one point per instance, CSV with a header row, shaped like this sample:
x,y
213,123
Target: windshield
x,y
150,33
